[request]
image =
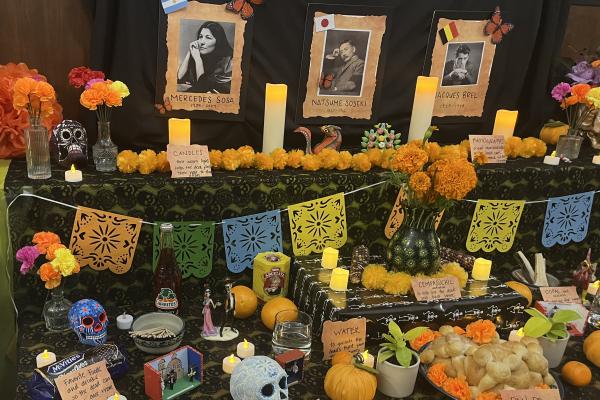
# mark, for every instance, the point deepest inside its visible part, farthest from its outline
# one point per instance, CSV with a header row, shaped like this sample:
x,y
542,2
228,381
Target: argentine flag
x,y
173,5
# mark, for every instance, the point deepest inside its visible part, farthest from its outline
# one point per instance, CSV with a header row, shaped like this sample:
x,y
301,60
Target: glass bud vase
x,y
105,151
37,152
415,247
56,310
569,145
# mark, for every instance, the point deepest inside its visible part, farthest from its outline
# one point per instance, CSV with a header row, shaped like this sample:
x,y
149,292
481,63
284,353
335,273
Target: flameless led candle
x,y
593,288
481,269
274,122
516,336
505,122
117,396
229,363
339,279
368,359
179,131
73,175
45,358
552,159
245,349
420,120
124,321
330,257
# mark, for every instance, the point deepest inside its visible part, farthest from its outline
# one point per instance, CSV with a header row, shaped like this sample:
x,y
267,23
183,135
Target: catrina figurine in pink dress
x,y
208,328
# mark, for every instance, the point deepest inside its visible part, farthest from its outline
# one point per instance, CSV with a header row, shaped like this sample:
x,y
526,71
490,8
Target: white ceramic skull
x,y
258,378
88,320
68,144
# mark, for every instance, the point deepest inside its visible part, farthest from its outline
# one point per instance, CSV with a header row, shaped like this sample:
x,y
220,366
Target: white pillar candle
x,y
245,349
422,110
179,131
73,175
505,122
229,363
368,359
274,120
124,321
45,358
516,336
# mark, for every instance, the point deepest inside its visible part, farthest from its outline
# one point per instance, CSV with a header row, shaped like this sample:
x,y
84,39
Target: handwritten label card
x,y
427,289
343,336
90,383
188,161
530,394
560,294
490,145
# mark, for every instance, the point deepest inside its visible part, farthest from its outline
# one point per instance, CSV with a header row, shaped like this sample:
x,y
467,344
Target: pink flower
x,y
27,256
560,91
92,81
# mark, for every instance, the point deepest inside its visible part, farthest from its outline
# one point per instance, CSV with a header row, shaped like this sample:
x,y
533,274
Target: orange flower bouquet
x,y
430,185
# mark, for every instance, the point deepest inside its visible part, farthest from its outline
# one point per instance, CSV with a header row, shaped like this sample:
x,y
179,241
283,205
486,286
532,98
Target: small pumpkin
x,y
272,307
591,348
576,373
552,130
342,357
348,382
522,289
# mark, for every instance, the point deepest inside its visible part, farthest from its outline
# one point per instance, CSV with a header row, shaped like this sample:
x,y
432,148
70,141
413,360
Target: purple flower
x,y
27,256
582,72
560,91
92,81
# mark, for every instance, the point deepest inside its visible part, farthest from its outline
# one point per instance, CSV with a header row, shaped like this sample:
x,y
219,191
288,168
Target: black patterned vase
x,y
415,247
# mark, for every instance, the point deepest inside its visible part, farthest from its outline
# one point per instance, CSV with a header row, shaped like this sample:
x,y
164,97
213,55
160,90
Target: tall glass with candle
x,y
505,122
422,110
274,121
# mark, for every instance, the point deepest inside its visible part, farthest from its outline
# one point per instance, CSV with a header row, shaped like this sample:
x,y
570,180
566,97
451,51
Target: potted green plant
x,y
551,332
396,363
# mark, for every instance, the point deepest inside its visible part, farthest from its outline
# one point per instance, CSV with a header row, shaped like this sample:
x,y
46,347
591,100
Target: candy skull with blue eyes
x,y
89,321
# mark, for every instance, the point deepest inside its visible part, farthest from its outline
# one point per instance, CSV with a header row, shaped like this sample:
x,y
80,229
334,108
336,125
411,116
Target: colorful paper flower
x,y
51,251
65,262
560,91
457,387
26,256
50,275
45,239
437,374
593,96
481,331
120,88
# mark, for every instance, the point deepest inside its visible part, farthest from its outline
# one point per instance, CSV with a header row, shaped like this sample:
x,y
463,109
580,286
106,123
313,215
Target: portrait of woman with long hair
x,y
207,65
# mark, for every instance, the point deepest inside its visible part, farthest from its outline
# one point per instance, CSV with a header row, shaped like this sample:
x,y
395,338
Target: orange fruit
x,y
522,289
576,373
245,301
272,307
342,357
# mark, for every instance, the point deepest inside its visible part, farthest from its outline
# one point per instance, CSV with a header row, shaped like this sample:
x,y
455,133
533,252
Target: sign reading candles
x,y
179,131
274,122
505,123
422,109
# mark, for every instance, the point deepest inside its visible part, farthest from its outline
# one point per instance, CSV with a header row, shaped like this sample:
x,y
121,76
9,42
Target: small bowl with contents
x,y
157,333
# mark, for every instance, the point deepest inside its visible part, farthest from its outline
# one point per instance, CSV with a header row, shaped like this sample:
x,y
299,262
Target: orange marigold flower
x,y
51,249
481,331
424,338
480,158
360,162
437,374
488,396
433,150
459,388
24,86
44,91
263,162
43,240
246,154
409,159
49,275
90,99
375,157
310,162
569,101
344,161
216,158
328,158
231,159
280,158
580,90
420,183
453,178
295,158
512,146
386,158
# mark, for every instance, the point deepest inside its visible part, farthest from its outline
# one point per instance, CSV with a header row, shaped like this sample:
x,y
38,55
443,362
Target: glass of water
x,y
292,331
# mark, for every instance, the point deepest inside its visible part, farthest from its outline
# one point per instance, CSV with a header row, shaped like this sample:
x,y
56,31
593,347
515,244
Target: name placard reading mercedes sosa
x,y
427,289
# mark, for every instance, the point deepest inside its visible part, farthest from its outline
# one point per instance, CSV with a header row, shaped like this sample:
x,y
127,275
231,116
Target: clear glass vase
x,y
569,145
56,310
37,152
105,151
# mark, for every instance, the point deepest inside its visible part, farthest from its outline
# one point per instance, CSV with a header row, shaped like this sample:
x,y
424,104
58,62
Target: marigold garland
x,y
263,162
162,162
397,283
280,158
374,276
454,269
360,162
328,158
344,161
246,154
311,162
231,159
147,162
295,158
127,161
375,156
216,159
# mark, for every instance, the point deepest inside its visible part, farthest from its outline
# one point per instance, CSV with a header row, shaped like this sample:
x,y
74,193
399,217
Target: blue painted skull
x,y
88,319
258,378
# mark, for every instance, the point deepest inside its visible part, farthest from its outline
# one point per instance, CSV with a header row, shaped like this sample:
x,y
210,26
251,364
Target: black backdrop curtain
x,y
125,46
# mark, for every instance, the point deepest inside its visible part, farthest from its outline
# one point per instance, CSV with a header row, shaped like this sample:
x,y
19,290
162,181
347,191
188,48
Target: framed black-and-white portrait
x,y
201,60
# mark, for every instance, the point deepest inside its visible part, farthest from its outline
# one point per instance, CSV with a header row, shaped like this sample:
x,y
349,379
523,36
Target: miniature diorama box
x,y
173,374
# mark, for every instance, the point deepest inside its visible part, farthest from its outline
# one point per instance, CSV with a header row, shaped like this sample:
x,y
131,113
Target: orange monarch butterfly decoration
x,y
496,27
243,7
163,108
326,81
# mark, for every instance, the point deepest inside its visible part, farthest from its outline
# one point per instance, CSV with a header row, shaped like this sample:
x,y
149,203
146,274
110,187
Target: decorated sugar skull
x,y
88,319
258,378
68,144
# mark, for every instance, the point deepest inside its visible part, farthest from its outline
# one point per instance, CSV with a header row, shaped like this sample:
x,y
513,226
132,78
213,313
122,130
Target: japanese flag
x,y
324,23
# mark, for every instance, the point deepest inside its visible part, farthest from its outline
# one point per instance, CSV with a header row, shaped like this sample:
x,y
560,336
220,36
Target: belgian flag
x,y
448,32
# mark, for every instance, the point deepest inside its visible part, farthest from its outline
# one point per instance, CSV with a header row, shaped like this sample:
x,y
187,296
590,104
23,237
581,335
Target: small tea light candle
x,y
368,359
516,336
505,122
45,358
245,349
73,175
330,258
117,396
124,321
593,288
481,269
339,279
596,160
179,131
229,363
552,159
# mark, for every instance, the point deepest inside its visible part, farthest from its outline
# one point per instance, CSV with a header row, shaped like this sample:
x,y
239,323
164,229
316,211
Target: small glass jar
x,y
568,146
